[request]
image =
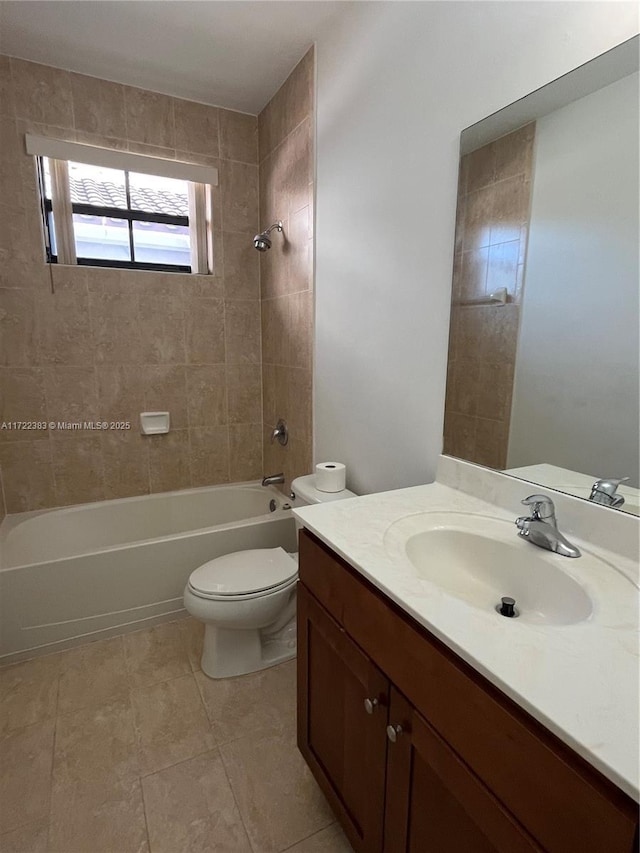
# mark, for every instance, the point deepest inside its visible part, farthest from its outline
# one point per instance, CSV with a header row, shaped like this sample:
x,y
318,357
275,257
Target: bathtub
x,y
87,572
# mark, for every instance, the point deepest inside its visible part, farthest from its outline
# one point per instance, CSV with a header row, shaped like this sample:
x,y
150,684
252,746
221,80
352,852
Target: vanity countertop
x,y
579,680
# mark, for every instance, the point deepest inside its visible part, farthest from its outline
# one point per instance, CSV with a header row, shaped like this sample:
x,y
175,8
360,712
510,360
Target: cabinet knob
x,y
370,705
393,732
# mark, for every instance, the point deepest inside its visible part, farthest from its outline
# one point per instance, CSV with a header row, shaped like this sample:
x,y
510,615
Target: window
x,y
114,209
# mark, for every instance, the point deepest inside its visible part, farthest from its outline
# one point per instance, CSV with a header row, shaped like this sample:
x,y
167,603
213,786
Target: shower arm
x,y
277,225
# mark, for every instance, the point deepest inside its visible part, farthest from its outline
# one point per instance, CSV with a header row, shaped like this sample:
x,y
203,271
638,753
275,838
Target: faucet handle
x,y
608,485
543,507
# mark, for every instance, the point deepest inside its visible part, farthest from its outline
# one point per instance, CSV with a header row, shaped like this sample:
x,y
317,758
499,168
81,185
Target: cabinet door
x,y
435,804
342,715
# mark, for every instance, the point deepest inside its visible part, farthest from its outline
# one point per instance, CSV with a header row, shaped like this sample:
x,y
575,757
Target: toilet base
x,y
227,653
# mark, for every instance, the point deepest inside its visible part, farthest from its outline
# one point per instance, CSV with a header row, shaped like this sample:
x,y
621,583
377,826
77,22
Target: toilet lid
x,y
244,572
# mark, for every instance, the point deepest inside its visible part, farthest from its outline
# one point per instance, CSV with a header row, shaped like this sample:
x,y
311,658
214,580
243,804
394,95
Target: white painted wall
x,y
396,83
576,391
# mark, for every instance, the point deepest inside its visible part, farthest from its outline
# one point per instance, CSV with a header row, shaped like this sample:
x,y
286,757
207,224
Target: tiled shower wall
x,y
108,344
286,270
491,237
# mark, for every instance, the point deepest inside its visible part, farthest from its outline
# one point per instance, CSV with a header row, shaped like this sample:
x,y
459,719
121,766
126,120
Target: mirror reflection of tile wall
x,y
492,226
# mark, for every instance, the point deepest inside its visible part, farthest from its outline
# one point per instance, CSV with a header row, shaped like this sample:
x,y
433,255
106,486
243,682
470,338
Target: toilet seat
x,y
245,574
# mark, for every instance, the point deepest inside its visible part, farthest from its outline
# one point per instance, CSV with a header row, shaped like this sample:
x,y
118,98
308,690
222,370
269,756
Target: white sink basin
x,y
479,560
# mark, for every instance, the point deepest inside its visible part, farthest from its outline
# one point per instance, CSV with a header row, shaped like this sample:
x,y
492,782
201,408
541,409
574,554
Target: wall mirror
x,y
543,372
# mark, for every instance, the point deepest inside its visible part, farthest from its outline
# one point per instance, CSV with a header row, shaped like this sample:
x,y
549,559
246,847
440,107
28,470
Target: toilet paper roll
x,y
330,476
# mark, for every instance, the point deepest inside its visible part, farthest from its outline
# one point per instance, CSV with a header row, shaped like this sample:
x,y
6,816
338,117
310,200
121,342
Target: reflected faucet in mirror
x,y
606,492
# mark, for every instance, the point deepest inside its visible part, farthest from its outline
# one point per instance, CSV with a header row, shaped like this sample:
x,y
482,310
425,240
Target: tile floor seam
x,y
146,818
235,800
53,761
175,764
164,681
307,837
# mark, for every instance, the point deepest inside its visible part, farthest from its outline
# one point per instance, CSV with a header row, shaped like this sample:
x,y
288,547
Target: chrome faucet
x,y
273,479
541,527
604,492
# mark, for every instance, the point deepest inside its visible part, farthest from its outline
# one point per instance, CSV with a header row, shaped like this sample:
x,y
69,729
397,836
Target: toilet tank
x,y
304,488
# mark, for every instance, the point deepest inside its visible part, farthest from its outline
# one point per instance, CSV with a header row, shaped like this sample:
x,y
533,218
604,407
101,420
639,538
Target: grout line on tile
x,y
235,800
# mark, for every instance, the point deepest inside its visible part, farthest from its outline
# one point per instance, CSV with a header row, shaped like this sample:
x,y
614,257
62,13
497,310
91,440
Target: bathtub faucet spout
x,y
273,480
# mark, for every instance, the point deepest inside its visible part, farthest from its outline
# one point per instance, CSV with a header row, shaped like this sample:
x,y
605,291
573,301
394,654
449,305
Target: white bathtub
x,y
85,572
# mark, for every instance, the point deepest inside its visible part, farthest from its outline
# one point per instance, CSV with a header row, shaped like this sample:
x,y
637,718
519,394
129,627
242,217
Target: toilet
x,y
247,601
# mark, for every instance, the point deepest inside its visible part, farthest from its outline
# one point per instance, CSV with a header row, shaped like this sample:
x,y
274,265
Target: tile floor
x,y
124,746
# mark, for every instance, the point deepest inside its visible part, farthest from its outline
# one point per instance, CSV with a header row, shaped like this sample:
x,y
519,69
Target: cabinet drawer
x,y
565,804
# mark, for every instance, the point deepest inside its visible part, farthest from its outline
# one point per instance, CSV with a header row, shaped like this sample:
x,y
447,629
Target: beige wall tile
x,y
22,400
126,463
206,395
121,390
98,106
241,267
491,443
298,167
209,455
171,723
78,468
239,184
514,153
495,387
274,267
204,331
238,136
25,775
299,92
165,389
245,452
287,810
301,329
196,127
244,393
162,333
92,676
242,323
480,167
275,330
473,273
299,251
299,402
27,475
169,461
150,117
502,268
71,394
478,218
63,327
42,93
275,393
191,807
510,209
459,435
136,329
156,654
465,389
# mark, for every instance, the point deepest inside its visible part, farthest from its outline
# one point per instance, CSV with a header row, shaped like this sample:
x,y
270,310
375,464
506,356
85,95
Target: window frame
x,y
130,215
201,181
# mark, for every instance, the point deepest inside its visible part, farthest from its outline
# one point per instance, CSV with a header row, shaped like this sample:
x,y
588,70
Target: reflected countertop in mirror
x,y
543,374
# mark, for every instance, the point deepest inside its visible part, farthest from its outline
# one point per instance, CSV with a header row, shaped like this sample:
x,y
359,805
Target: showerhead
x,y
262,241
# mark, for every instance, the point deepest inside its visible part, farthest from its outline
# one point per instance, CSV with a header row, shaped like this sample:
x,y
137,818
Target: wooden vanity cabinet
x,y
416,752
